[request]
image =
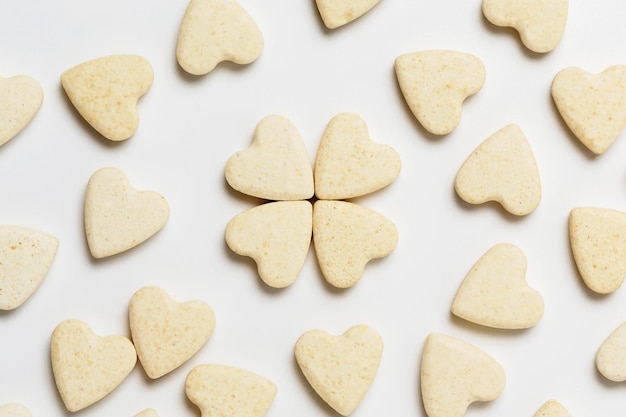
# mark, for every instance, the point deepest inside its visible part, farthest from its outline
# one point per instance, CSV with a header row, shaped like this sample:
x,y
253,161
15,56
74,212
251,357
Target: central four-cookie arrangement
x,y
306,204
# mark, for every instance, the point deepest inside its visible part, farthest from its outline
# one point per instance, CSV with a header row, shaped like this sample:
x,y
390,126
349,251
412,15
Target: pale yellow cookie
x,y
592,105
552,408
226,391
167,333
20,99
436,83
87,367
502,169
119,217
340,368
611,356
105,92
346,236
276,166
540,23
213,31
148,412
349,163
455,374
598,242
277,236
14,410
337,13
26,256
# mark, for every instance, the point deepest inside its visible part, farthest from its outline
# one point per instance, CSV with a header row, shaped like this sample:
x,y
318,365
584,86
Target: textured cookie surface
x,y
213,31
502,169
148,412
105,92
167,333
552,408
26,256
20,99
592,105
14,410
226,391
87,367
336,13
119,217
349,163
611,355
436,83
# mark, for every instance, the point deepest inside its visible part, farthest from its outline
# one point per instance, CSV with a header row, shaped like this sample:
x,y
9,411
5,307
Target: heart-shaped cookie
x,y
226,391
14,410
502,169
346,236
495,293
20,100
436,83
118,217
277,236
349,164
611,356
26,256
148,412
276,166
340,368
105,92
598,242
540,23
335,13
455,374
552,408
167,333
592,105
213,31
87,367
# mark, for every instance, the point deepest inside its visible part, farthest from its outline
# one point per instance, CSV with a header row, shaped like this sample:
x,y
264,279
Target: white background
x,y
191,125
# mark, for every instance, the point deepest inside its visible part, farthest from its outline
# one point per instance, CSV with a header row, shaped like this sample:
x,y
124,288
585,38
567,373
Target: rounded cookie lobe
x,y
20,99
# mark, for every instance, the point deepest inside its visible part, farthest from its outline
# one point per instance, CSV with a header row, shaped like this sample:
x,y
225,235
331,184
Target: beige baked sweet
x,y
592,105
14,410
611,355
435,83
336,13
340,368
540,23
349,163
213,31
227,391
495,293
88,367
455,374
167,333
105,92
20,99
117,216
346,236
503,169
26,256
276,166
552,408
148,412
598,242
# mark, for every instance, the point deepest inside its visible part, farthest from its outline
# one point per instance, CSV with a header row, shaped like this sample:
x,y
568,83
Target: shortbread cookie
x,y
14,410
349,163
87,367
20,99
119,217
167,333
611,356
455,374
213,31
26,256
337,13
105,92
552,408
502,169
346,237
436,83
276,166
592,105
598,242
495,293
148,412
341,368
277,236
226,391
540,23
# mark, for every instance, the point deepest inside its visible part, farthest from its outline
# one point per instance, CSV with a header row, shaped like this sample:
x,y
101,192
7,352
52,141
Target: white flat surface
x,y
190,126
